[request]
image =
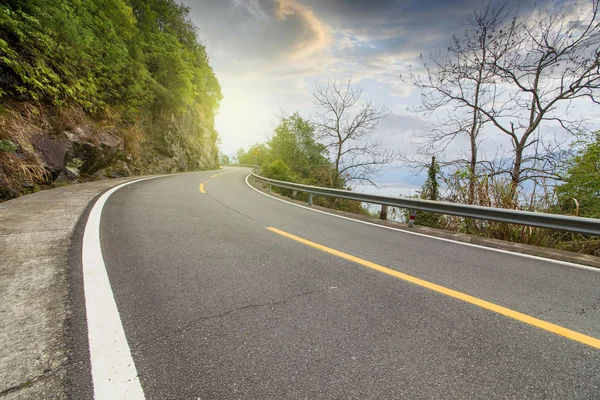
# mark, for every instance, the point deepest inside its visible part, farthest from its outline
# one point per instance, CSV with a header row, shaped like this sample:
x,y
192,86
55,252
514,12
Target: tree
x,y
582,181
460,72
248,157
430,191
534,65
552,58
278,170
294,143
126,63
346,127
224,159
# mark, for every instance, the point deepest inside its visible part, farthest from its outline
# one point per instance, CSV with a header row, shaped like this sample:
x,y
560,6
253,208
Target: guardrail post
x,y
294,193
310,199
270,190
411,218
383,213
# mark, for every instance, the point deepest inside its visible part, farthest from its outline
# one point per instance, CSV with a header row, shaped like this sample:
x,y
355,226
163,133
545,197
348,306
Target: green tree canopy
x,y
131,55
582,181
248,157
133,65
294,143
279,170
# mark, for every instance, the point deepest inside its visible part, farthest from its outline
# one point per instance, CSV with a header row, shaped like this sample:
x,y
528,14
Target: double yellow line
x,y
559,330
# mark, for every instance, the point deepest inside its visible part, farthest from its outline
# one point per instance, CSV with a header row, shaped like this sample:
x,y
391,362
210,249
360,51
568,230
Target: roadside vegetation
x,y
334,149
516,78
293,154
102,88
510,76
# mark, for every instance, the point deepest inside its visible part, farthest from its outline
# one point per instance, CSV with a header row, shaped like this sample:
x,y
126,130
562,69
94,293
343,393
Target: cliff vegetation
x,y
95,88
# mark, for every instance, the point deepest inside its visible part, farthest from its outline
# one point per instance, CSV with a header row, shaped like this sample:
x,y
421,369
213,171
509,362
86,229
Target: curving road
x,y
215,305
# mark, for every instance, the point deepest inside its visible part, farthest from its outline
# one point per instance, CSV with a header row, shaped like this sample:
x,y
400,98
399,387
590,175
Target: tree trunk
x,y
515,176
475,129
472,166
337,165
469,224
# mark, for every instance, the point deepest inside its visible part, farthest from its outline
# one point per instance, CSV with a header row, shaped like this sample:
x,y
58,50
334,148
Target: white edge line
x,y
114,375
566,263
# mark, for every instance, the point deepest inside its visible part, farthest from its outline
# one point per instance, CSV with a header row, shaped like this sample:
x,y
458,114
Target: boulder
x,y
80,151
53,154
96,150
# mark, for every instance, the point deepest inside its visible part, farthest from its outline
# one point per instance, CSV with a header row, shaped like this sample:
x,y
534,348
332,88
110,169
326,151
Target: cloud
x,y
315,36
252,7
401,122
267,55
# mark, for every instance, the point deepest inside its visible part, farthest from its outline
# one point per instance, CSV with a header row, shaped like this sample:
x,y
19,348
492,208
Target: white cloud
x,y
316,36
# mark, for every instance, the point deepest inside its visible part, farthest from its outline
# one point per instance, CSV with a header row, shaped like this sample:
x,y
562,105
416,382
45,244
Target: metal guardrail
x,y
587,226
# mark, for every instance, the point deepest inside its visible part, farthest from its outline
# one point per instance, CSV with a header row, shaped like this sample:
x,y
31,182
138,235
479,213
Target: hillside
x,y
102,88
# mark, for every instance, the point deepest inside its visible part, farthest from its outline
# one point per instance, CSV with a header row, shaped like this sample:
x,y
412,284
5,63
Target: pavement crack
x,y
44,375
234,210
594,307
187,325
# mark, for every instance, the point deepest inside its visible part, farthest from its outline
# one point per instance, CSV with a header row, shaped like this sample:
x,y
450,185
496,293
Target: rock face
x,y
42,149
96,151
79,151
53,154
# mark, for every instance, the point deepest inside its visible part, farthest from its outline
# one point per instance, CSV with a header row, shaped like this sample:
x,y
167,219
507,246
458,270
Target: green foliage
x,y
294,143
177,63
224,159
8,146
278,170
582,181
431,188
430,191
293,154
249,158
136,63
71,51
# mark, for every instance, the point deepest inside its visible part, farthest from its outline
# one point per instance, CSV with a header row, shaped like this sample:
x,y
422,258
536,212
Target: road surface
x,y
226,293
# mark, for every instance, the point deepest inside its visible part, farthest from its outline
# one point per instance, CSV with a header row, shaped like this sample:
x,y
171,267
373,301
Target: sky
x,y
268,55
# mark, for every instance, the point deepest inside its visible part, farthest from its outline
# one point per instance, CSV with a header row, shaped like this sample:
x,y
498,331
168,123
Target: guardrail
x,y
586,226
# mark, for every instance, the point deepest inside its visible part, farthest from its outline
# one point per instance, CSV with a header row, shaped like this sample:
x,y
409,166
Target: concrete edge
x,y
553,254
36,232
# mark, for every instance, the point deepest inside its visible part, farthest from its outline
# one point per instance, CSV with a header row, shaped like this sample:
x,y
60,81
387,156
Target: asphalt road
x,y
216,306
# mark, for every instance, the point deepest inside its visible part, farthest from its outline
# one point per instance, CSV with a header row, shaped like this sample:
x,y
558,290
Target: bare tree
x,y
553,57
346,126
523,73
460,73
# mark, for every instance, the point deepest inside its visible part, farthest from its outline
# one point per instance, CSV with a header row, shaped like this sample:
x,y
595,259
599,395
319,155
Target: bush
x,y
278,170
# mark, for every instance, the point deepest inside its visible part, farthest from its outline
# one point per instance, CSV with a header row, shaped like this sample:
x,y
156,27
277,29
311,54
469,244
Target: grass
x,y
19,163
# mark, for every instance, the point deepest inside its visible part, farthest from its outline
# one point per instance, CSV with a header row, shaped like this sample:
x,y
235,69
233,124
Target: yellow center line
x,y
223,173
559,330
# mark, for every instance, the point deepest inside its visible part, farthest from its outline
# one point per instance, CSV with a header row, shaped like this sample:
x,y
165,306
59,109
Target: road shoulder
x,y
35,237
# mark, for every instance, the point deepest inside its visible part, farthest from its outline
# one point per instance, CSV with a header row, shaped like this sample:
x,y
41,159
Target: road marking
x,y
559,330
226,172
550,260
114,375
222,173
